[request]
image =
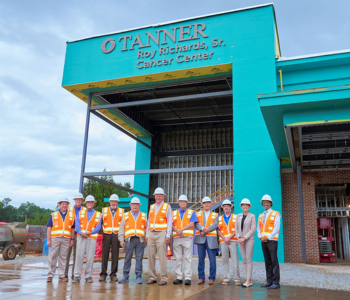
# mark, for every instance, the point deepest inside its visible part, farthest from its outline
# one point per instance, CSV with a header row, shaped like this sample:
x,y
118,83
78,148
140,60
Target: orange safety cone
x,y
169,253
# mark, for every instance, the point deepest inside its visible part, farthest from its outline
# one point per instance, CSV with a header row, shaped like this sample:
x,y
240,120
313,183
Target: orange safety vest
x,y
210,222
227,230
86,225
178,223
72,209
158,222
266,229
135,227
61,228
110,224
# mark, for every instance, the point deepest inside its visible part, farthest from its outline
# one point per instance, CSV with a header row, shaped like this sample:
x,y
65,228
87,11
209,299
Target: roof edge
x,y
175,21
282,59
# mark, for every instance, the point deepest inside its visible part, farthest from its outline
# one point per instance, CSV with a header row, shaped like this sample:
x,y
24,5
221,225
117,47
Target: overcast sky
x,y
42,125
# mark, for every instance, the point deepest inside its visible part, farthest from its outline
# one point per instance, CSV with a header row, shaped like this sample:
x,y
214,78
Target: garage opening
x,y
191,124
333,212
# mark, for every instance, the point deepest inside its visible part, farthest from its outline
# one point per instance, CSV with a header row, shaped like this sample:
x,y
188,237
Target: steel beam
x,y
290,144
162,100
326,136
301,213
86,136
102,117
197,152
326,151
326,162
116,186
158,171
192,121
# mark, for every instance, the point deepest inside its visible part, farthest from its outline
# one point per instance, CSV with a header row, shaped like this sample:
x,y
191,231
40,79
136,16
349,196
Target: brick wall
x,y
292,236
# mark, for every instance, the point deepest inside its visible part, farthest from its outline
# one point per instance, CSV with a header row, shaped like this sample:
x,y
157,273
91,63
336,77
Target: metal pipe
x,y
301,211
161,100
117,186
86,136
102,117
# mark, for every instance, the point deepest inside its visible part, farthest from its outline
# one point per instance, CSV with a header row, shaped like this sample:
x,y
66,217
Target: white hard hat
x,y
227,202
266,198
183,198
206,199
63,199
114,197
78,196
245,201
90,198
159,191
135,200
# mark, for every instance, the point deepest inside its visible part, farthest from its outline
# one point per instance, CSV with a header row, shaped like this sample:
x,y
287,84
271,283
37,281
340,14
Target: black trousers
x,y
272,266
110,240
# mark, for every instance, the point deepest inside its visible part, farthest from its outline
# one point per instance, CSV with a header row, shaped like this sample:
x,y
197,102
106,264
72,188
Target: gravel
x,y
332,277
26,260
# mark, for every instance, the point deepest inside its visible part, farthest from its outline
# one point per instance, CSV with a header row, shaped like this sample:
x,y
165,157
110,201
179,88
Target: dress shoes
x,y
187,282
274,286
49,279
151,281
200,281
162,282
211,282
64,279
266,284
177,281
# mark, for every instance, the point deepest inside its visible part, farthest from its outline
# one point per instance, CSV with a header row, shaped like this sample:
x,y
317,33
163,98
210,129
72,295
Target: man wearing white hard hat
x,y
132,235
183,221
60,235
75,209
268,229
111,218
158,234
206,240
87,227
228,243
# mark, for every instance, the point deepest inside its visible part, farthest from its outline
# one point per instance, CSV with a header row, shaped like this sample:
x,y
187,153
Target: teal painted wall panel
x,y
143,162
85,62
256,167
316,77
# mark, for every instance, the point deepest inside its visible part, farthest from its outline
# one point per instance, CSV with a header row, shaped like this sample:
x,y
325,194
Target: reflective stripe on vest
x,y
111,224
61,228
227,230
266,230
209,222
178,223
159,220
135,227
86,225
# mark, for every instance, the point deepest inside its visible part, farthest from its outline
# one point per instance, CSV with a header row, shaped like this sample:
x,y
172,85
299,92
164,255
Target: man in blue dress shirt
x,y
78,200
87,227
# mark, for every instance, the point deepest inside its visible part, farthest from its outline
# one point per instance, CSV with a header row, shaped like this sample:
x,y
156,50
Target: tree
x,y
46,218
101,191
37,219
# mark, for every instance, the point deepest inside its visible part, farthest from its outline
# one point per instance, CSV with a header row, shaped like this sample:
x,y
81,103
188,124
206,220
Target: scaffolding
x,y
331,202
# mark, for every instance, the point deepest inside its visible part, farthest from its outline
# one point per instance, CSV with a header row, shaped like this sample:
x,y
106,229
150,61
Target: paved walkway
x,y
19,282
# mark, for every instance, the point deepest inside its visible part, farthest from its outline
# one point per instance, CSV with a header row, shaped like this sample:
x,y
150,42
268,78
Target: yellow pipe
x,y
281,80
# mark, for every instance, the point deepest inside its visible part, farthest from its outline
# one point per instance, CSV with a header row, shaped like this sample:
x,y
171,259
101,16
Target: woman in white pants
x,y
245,228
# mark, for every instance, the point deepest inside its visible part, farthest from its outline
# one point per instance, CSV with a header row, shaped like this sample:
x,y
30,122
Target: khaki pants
x,y
156,243
88,246
58,250
184,244
69,253
226,251
247,253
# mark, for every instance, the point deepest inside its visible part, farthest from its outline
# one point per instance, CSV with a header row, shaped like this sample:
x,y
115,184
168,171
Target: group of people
x,y
76,227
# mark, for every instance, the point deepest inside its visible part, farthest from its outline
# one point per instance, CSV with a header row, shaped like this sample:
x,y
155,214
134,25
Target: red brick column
x,y
291,217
